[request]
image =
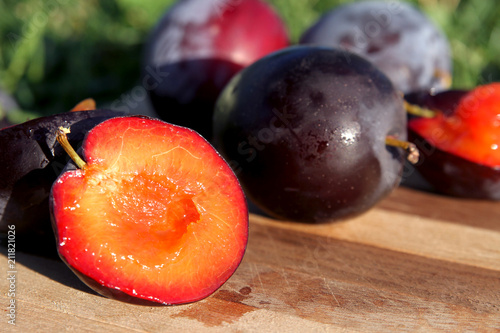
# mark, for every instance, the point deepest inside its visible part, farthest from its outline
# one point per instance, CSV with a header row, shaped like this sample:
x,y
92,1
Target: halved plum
x,y
154,214
460,145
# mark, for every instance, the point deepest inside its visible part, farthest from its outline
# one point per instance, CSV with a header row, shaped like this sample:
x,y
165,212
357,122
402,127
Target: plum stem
x,y
444,77
62,138
412,153
418,110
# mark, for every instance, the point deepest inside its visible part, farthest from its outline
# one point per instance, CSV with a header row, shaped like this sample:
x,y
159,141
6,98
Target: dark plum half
x,y
29,163
305,128
453,175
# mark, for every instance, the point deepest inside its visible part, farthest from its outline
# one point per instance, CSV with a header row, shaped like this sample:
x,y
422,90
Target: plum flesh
x,y
305,130
152,214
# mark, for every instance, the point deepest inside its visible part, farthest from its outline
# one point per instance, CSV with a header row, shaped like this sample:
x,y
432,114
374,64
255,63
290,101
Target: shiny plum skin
x,y
445,172
196,48
304,129
29,164
455,176
395,36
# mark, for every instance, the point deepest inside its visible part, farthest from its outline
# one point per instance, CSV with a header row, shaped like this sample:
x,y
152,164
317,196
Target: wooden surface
x,y
416,262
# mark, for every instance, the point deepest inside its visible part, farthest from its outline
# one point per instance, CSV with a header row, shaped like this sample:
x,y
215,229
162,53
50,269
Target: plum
x,y
460,144
197,46
306,128
397,37
30,162
152,214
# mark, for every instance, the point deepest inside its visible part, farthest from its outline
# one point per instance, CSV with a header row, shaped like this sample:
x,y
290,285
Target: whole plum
x,y
197,46
305,129
396,36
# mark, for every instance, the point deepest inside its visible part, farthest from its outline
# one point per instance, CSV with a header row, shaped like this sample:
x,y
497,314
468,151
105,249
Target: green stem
x,y
419,111
412,153
62,138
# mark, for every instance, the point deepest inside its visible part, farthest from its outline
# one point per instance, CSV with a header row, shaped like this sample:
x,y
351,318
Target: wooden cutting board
x,y
416,262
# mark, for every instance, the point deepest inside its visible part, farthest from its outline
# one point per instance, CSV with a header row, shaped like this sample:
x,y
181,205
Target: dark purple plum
x,y
397,37
195,49
29,163
305,130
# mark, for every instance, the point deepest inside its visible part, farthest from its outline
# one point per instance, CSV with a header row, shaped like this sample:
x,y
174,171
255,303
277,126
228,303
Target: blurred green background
x,y
54,53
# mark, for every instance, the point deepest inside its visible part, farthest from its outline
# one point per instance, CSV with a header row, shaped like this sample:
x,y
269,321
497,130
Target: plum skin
x,y
395,36
453,175
30,162
195,49
305,127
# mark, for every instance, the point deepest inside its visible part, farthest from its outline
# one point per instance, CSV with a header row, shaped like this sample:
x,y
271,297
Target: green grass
x,y
55,53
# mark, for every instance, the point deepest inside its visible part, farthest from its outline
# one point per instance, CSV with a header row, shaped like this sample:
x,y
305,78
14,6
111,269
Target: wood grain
x,y
416,262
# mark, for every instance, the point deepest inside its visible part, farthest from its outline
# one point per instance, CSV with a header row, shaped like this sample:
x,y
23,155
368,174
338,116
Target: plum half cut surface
x,y
153,215
305,129
460,145
195,49
30,162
